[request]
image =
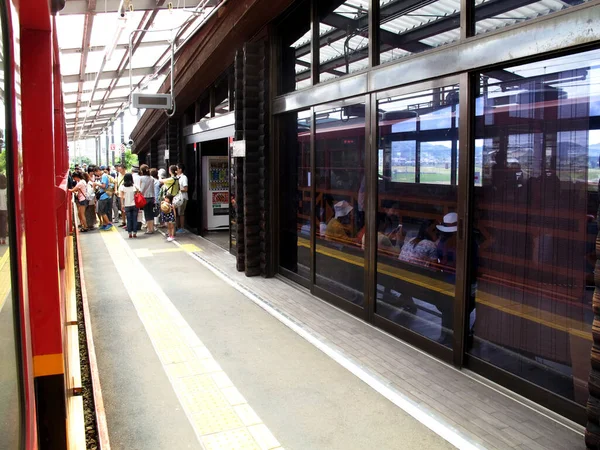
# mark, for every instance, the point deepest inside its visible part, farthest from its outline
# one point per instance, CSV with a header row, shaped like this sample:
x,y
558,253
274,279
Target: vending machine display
x,y
215,190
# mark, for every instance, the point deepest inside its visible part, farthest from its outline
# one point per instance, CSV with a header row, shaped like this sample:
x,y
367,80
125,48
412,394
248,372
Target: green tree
x,y
131,159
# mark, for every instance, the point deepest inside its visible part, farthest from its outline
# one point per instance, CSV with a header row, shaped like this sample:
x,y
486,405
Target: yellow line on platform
x,y
219,414
536,315
147,252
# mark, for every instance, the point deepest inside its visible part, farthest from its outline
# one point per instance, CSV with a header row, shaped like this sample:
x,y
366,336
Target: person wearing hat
x,y
337,228
446,249
446,246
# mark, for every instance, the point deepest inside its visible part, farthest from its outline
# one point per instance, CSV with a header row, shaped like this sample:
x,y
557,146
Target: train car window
x,y
535,215
340,200
416,211
10,400
295,198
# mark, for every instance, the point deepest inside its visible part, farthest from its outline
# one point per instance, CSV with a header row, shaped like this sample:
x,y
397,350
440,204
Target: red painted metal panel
x,y
39,170
14,104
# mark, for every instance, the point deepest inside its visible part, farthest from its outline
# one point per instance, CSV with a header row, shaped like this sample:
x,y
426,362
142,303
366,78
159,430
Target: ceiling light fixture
x,y
121,23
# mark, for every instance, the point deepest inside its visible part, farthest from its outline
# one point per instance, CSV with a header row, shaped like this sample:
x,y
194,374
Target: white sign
x,y
166,154
239,149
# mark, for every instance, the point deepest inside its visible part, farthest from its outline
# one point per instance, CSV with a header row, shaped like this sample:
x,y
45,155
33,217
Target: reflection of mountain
x,y
431,150
405,151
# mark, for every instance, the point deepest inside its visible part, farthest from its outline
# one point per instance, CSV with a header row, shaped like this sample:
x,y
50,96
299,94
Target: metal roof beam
x,y
411,37
109,75
111,6
144,24
100,102
101,48
388,12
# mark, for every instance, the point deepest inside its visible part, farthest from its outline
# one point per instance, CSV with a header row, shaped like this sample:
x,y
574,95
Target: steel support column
x,y
315,43
465,192
374,32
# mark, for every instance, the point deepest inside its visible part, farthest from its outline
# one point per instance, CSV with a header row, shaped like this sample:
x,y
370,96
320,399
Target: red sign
x,y
220,199
113,147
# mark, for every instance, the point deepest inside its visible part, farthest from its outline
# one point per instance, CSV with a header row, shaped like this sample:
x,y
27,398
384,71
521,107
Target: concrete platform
x,y
187,361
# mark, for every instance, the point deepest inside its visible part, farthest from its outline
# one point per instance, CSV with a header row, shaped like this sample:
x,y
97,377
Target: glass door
x,y
295,197
340,189
416,212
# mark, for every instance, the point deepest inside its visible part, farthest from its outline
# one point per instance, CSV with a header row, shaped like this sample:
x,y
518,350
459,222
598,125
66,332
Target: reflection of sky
x,y
578,91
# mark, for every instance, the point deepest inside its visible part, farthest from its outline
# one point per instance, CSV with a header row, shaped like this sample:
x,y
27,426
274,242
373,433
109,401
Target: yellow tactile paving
x,y
149,252
239,439
218,412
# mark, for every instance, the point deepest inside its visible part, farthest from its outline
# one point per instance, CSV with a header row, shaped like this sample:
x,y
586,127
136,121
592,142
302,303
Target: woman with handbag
x,y
147,190
127,193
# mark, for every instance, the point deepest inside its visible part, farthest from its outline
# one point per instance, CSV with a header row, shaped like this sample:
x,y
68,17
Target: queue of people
x,y
138,199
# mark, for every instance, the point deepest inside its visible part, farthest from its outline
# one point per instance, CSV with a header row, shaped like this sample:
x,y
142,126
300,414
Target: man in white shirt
x,y
117,199
183,186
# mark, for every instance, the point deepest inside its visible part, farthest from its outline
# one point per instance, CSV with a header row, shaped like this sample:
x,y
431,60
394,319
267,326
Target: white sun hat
x,y
450,222
342,208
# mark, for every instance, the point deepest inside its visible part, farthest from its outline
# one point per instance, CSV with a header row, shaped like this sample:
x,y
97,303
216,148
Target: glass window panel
x,y
295,200
344,38
10,401
416,211
409,27
295,58
491,15
536,221
340,201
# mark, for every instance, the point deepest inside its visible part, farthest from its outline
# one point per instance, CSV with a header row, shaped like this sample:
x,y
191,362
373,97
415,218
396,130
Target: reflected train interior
x,y
535,221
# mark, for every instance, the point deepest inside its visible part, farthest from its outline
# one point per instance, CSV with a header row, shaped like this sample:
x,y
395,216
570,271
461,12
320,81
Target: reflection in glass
x,y
405,30
340,200
344,40
295,203
295,60
536,221
9,379
490,15
416,211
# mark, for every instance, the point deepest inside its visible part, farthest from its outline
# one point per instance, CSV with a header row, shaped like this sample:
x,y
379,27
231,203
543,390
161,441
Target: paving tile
x,y
490,418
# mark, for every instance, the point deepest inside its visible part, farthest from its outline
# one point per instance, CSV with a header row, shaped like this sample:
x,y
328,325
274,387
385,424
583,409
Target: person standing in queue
x,y
80,189
183,186
171,184
127,194
104,199
147,190
120,176
169,215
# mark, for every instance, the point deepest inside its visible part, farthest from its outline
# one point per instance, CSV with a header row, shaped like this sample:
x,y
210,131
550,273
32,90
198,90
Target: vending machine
x,y
215,192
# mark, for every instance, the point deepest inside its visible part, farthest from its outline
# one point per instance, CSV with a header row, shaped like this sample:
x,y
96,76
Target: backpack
x,y
110,189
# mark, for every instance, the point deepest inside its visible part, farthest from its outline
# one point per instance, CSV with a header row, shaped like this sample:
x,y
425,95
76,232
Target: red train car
x,y
38,344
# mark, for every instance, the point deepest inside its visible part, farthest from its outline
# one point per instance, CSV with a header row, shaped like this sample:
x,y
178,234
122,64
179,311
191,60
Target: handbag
x,y
139,199
178,200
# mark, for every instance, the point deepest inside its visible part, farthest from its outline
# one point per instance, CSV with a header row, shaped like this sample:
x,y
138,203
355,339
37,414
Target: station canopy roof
x,y
93,38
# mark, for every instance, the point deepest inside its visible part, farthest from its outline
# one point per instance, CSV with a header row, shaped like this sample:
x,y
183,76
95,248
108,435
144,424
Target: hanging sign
x,y
166,154
239,149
